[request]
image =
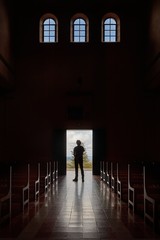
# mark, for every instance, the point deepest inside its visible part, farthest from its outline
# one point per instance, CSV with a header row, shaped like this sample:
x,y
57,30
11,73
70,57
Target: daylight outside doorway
x,y
85,136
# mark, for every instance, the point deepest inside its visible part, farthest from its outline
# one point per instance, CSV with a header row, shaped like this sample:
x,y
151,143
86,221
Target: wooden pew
x,y
53,172
20,189
152,195
5,194
113,177
104,171
44,179
35,182
49,176
122,182
136,188
108,174
101,170
56,168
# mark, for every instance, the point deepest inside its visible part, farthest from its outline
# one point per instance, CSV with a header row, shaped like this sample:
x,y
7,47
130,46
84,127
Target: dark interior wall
x,y
5,51
152,84
6,78
103,80
153,29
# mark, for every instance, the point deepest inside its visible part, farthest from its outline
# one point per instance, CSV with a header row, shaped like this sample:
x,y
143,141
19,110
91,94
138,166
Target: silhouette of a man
x,y
78,160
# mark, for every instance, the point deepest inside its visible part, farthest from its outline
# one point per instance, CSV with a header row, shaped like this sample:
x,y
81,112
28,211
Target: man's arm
x,y
74,151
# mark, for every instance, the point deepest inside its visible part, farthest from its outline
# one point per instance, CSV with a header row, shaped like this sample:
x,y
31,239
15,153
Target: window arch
x,y
79,28
110,28
48,29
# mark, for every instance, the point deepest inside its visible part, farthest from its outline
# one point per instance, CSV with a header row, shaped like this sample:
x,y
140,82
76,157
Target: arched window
x,y
110,28
79,29
48,29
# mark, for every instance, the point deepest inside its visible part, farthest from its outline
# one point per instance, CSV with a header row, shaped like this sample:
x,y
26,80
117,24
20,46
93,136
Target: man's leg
x,y
82,170
76,172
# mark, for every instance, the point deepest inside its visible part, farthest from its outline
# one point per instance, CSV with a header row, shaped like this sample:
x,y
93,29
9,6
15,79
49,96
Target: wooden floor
x,y
78,210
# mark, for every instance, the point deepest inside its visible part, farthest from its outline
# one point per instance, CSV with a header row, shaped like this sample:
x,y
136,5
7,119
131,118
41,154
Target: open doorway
x,y
86,138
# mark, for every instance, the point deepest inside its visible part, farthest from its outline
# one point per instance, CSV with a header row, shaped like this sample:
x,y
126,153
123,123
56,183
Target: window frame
x,y
41,28
117,24
72,30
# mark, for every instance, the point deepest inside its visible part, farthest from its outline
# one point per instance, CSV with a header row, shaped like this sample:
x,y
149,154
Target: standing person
x,y
78,160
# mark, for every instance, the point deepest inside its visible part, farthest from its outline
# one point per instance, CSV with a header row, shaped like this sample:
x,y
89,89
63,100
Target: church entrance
x,y
86,138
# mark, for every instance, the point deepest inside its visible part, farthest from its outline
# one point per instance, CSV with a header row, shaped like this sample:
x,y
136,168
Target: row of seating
x,y
137,184
23,184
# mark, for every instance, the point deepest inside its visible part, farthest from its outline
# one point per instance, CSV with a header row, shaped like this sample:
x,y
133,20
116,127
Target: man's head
x,y
78,142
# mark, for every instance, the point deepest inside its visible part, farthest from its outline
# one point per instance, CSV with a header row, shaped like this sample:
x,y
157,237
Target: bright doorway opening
x,y
86,138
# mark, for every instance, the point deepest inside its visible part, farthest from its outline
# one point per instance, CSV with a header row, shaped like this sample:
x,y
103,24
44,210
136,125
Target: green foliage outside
x,y
86,162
